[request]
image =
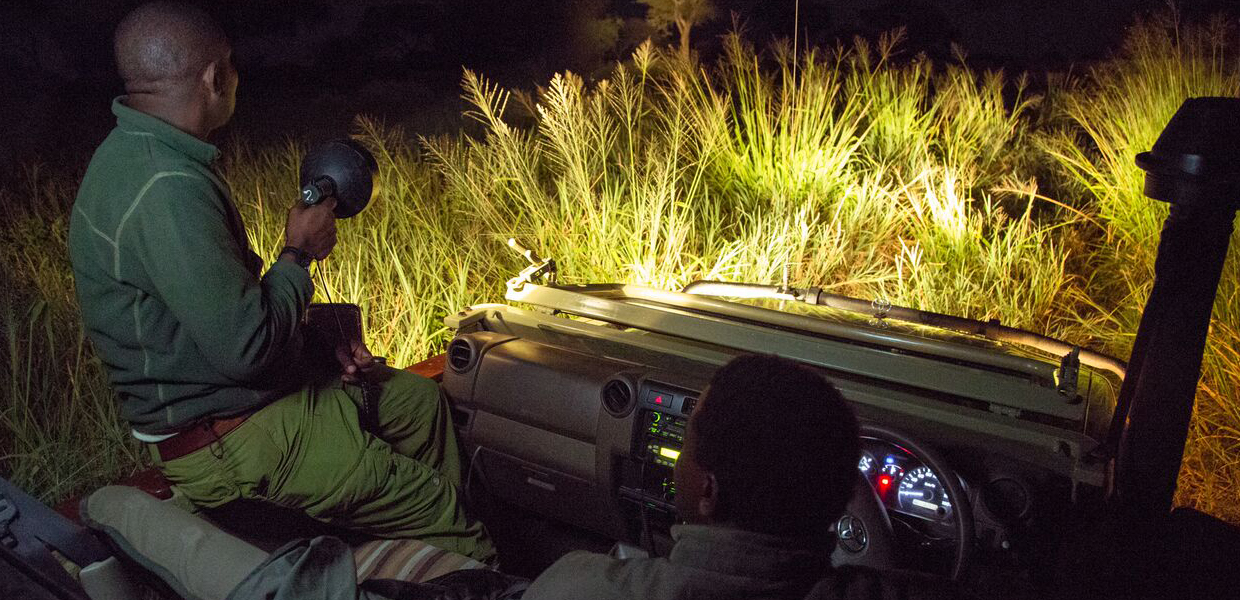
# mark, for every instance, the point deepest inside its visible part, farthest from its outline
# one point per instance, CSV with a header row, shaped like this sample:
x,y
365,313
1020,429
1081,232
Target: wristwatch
x,y
300,256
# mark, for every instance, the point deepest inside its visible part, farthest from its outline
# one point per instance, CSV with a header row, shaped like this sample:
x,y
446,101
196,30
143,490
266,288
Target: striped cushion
x,y
407,560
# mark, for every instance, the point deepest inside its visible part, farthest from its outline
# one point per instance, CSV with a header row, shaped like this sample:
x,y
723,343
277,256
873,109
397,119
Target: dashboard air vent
x,y
618,397
461,355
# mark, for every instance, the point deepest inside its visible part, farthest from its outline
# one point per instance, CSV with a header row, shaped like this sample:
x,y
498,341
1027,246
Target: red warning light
x,y
658,399
884,482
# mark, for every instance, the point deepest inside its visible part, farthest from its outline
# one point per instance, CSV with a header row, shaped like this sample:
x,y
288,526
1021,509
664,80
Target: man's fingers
x,y
329,246
363,358
328,204
312,228
355,359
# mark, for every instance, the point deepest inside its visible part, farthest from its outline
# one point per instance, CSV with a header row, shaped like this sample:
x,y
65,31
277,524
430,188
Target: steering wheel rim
x,y
865,507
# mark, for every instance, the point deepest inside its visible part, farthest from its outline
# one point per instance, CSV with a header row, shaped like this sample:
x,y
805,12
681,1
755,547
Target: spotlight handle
x,y
318,190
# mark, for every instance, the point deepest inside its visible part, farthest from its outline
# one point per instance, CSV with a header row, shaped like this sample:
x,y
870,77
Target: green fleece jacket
x,y
169,289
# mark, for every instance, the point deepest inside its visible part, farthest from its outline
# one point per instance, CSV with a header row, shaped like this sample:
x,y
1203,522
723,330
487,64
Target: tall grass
x,y
1115,112
857,168
59,424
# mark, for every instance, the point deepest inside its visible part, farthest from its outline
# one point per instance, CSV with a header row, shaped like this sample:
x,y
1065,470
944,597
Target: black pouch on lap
x,y
329,326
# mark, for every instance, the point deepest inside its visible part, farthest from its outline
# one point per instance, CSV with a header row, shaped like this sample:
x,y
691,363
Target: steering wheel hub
x,y
851,533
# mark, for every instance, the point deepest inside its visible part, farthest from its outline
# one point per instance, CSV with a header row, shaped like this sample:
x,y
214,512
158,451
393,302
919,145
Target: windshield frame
x,y
1021,387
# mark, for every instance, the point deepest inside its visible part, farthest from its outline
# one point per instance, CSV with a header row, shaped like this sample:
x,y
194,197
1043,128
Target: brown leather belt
x,y
197,437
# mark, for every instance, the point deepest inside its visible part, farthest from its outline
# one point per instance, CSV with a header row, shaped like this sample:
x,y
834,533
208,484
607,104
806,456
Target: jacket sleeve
x,y
243,325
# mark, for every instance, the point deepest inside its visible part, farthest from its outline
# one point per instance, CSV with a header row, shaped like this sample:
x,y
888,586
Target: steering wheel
x,y
864,534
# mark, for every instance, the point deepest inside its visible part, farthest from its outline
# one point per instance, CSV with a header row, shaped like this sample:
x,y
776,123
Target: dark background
x,y
307,67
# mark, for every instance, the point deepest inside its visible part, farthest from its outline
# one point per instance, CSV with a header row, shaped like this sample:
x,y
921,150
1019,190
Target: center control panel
x,y
665,435
662,418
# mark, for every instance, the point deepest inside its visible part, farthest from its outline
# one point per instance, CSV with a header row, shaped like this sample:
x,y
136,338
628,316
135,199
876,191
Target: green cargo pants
x,y
307,452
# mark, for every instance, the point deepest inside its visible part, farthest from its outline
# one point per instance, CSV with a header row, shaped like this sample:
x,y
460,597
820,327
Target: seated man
x,y
207,353
769,463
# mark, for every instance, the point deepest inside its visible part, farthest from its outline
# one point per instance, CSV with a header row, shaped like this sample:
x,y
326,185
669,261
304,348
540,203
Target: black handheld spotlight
x,y
341,169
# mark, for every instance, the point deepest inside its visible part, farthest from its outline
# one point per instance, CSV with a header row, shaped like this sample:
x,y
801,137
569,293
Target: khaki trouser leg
x,y
415,420
307,452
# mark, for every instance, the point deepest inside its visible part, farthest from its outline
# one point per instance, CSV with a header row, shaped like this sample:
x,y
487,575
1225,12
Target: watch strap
x,y
301,257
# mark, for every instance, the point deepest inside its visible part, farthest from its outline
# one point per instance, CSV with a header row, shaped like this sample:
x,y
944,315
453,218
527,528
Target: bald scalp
x,y
162,44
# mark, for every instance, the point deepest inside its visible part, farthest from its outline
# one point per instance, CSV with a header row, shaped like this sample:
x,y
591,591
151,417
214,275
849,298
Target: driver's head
x,y
771,447
177,53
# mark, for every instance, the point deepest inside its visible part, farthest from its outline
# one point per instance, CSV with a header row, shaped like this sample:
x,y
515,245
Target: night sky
x,y
308,67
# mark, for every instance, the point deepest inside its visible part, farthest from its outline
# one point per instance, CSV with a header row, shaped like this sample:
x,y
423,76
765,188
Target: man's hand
x,y
312,228
355,361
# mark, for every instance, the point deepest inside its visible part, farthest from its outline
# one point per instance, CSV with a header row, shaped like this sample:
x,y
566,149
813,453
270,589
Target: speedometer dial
x,y
920,493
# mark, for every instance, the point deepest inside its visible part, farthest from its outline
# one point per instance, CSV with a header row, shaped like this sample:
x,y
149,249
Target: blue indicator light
x,y
890,459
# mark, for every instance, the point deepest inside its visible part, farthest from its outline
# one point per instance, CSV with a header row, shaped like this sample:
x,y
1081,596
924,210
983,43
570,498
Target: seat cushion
x,y
407,560
270,527
195,558
199,560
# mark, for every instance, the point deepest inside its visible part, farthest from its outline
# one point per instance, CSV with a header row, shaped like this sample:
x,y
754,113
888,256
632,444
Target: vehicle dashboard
x,y
581,421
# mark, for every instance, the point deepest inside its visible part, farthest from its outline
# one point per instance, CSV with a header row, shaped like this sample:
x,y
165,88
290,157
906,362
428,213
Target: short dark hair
x,y
782,444
162,41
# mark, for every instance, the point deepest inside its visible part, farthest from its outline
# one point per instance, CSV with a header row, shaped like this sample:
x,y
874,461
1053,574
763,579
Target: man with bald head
x,y
206,350
177,65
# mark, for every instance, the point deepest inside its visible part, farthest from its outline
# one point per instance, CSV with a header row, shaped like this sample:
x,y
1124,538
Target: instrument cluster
x,y
902,482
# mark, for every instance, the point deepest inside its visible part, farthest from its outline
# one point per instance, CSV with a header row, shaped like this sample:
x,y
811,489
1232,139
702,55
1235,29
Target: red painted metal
x,y
431,368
